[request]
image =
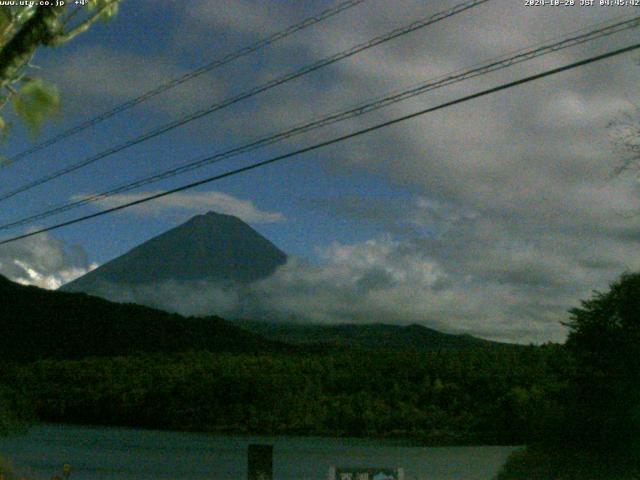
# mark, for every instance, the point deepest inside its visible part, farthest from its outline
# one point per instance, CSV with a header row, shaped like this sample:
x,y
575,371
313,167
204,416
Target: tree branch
x,y
16,20
41,29
84,25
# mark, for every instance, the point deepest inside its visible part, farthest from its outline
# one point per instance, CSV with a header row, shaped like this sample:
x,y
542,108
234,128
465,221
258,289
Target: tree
x,y
25,29
605,342
597,433
11,414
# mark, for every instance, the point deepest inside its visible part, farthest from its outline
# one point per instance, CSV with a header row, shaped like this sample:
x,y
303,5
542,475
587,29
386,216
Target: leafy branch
x,y
22,31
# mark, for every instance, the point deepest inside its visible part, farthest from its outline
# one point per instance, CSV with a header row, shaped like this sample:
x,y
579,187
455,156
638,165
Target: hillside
x,y
367,336
37,323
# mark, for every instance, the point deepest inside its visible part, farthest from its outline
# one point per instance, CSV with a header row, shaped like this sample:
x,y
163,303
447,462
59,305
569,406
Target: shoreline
x,y
389,440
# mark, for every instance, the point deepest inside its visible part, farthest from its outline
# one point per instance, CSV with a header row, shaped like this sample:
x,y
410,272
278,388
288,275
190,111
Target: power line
x,y
228,58
332,141
250,93
500,63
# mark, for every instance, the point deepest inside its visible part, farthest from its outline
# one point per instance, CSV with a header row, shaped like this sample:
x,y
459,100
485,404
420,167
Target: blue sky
x,y
284,188
492,218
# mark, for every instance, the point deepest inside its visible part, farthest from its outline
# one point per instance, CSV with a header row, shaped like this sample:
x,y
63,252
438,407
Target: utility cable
x,y
250,93
500,63
228,58
332,141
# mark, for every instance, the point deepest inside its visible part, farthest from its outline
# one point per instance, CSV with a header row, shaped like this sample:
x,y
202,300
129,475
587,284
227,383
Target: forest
x,y
483,396
576,406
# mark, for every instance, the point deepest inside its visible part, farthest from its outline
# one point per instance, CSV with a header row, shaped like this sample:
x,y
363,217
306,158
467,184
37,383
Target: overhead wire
x,y
332,141
416,25
526,54
228,58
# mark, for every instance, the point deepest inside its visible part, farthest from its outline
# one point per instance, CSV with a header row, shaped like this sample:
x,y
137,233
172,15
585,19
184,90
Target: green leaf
x,y
5,16
36,102
4,133
110,7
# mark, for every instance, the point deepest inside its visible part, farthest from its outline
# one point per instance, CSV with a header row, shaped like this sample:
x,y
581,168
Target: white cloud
x,y
378,280
191,203
197,298
43,261
383,280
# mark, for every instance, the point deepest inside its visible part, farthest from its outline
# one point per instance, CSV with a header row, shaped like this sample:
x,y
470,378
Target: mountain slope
x,y
367,336
37,323
211,247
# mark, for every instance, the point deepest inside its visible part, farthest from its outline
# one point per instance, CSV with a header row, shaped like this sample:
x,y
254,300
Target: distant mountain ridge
x,y
37,323
205,264
211,247
366,336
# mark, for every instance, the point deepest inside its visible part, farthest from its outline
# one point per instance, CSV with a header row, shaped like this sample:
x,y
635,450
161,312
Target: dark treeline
x,y
37,323
484,396
596,432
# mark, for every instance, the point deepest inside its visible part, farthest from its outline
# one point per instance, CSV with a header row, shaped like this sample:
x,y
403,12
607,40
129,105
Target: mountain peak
x,y
214,215
211,247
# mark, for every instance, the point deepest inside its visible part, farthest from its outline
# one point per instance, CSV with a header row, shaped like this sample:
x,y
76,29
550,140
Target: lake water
x,y
126,454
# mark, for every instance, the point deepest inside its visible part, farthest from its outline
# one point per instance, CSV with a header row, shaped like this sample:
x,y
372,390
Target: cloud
x,y
190,298
456,268
43,261
239,17
383,280
192,203
515,216
389,281
97,78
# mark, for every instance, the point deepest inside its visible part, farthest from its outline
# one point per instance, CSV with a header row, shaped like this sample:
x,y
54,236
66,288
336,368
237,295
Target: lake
x,y
120,453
